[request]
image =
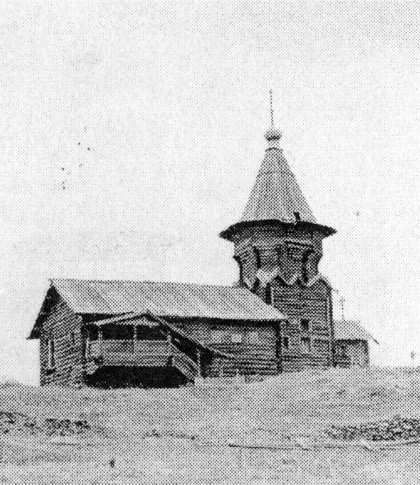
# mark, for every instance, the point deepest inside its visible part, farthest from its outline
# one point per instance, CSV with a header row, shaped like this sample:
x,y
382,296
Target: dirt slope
x,y
180,435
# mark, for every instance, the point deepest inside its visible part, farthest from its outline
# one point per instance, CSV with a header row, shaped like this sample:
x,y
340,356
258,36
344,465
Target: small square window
x,y
305,345
268,294
286,343
253,337
236,338
217,336
257,258
304,325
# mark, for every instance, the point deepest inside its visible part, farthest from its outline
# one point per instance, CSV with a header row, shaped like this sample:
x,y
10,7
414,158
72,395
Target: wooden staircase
x,y
184,364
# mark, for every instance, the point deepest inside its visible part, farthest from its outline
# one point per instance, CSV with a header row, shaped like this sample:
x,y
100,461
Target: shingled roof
x,y
351,330
276,195
161,299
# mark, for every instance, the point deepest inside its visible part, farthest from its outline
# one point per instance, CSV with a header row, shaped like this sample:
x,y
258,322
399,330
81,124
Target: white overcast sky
x,y
153,115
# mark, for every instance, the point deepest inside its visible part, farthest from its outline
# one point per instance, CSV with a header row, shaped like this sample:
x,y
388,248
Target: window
x,y
268,294
304,325
51,354
342,350
236,338
73,338
286,343
256,286
216,336
253,337
241,269
257,258
305,345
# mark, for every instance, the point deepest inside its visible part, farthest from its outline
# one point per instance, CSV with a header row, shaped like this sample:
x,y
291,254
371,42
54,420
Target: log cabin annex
x,y
278,318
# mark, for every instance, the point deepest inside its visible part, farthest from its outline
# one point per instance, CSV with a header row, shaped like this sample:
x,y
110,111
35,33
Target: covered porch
x,y
144,341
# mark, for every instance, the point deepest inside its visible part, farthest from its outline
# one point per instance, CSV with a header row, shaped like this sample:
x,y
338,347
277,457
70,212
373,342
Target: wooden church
x,y
278,318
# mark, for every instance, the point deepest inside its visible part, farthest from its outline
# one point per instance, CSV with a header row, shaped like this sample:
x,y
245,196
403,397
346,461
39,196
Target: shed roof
x,y
351,330
164,299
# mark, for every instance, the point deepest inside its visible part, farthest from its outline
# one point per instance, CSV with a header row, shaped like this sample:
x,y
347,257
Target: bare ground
x,y
186,435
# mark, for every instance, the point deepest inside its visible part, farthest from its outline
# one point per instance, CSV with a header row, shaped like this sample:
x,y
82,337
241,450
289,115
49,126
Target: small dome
x,y
273,134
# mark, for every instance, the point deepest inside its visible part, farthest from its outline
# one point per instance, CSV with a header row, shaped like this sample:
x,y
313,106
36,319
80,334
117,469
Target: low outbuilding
x,y
351,343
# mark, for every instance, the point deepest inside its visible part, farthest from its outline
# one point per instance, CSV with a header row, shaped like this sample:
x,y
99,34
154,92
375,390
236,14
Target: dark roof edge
x,y
34,334
198,317
228,233
359,325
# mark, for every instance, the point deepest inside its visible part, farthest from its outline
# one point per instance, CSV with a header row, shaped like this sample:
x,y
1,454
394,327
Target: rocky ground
x,y
17,424
395,429
248,433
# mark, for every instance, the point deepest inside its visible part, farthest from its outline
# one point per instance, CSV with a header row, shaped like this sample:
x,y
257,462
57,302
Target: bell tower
x,y
278,245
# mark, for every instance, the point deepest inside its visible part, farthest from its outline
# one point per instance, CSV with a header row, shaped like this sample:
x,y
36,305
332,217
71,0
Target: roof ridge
x,y
89,280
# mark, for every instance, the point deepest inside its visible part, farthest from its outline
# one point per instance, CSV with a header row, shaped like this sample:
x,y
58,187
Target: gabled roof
x,y
351,330
161,299
164,299
276,195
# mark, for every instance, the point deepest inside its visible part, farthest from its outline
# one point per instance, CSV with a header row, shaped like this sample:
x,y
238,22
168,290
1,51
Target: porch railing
x,y
101,347
142,352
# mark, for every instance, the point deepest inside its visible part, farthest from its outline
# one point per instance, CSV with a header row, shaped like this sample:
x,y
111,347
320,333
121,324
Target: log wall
x,y
357,351
58,327
313,304
291,255
255,354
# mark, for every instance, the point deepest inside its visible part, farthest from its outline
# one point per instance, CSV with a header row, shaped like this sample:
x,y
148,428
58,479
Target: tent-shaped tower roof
x,y
276,196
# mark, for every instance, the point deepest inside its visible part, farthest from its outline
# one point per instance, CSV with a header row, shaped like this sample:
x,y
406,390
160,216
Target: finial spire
x,y
271,108
272,134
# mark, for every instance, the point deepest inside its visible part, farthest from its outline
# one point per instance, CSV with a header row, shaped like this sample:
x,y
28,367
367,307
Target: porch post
x,y
200,374
87,349
170,350
100,339
135,335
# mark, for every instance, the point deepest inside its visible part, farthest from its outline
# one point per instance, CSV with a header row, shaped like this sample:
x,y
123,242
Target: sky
x,y
131,135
